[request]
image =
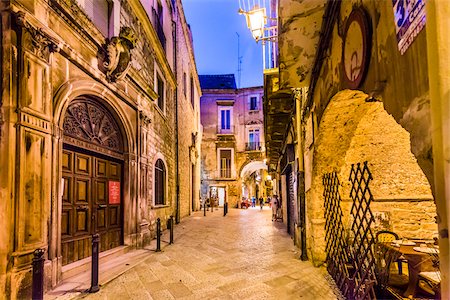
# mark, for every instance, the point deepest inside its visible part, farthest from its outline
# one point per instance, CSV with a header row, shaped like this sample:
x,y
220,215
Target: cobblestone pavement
x,y
241,256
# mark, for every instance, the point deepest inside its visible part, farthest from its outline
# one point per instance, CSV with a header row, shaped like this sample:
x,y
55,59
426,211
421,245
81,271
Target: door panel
x,y
86,209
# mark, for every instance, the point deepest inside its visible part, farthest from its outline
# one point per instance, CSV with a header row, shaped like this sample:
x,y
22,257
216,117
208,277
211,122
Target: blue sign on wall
x,y
409,21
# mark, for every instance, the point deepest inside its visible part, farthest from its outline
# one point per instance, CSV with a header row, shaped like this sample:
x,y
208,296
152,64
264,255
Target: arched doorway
x,y
92,172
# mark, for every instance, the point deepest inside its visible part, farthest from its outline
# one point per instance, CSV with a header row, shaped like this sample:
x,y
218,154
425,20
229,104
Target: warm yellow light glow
x,y
265,160
268,177
256,19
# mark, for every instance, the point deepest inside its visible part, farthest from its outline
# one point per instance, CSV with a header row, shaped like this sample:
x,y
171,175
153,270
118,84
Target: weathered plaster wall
x,y
299,25
388,78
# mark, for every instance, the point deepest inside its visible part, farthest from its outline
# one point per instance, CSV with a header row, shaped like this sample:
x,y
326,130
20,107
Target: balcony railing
x,y
221,130
225,173
253,146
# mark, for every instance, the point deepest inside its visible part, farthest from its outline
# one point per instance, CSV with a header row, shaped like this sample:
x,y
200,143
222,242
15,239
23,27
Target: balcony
x,y
221,130
253,146
225,173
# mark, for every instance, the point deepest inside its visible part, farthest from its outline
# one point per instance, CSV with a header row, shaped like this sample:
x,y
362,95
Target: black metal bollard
x,y
226,205
224,209
204,208
38,274
94,273
171,230
158,235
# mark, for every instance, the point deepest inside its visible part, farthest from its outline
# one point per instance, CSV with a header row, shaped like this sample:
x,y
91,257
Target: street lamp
x,y
256,20
261,17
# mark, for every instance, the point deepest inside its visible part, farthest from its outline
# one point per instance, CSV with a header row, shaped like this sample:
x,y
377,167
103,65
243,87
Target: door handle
x,y
82,207
102,206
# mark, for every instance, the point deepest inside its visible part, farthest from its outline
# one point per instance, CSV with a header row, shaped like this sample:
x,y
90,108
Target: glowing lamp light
x,y
256,19
268,177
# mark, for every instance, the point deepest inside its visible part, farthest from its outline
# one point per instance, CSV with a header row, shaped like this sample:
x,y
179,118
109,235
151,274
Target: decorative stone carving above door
x,y
88,120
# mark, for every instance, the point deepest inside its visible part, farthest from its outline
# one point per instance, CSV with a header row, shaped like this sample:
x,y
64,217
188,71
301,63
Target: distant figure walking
x,y
261,202
274,205
253,201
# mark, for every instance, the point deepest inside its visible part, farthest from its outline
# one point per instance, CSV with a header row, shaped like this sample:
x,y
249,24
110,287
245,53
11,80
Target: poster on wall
x,y
114,192
409,18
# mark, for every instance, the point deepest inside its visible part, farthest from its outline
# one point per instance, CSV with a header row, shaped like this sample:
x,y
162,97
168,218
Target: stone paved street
x,y
241,256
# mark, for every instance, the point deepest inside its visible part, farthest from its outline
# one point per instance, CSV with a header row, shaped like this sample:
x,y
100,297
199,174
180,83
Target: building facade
x,y
354,93
89,130
233,164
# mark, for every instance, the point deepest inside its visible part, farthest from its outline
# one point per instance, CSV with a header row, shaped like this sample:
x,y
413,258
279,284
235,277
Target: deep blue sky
x,y
214,24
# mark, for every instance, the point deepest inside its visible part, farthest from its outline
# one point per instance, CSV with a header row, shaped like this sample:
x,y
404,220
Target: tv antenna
x,y
239,69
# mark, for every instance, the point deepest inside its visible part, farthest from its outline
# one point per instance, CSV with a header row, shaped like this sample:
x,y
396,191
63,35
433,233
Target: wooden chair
x,y
430,281
385,236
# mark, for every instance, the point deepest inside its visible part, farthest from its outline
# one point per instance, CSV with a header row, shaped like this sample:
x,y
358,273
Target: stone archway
x,y
351,131
251,167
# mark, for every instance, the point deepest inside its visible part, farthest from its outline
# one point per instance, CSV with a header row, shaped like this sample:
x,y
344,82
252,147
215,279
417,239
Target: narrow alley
x,y
241,256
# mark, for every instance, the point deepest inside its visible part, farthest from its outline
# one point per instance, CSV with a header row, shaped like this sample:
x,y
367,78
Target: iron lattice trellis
x,y
336,244
363,280
351,266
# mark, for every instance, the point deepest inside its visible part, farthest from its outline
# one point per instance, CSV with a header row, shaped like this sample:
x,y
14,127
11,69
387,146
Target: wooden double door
x,y
92,203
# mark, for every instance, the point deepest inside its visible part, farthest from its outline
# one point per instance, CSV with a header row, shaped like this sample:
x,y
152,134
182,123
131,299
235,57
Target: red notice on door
x,y
114,192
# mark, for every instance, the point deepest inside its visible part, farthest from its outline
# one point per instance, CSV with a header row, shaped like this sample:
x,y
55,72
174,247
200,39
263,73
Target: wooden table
x,y
417,262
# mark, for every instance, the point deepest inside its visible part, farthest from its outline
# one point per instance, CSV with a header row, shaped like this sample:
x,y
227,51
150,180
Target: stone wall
x,y
353,131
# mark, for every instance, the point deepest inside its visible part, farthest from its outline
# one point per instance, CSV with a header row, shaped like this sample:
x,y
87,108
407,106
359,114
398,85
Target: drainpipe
x,y
177,177
300,94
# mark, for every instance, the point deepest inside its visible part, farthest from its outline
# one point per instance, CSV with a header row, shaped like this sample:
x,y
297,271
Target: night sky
x,y
214,24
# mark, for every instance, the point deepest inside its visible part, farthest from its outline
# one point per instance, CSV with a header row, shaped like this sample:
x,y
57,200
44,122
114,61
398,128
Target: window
x,y
160,182
225,119
192,92
253,103
160,87
158,23
253,140
225,163
99,11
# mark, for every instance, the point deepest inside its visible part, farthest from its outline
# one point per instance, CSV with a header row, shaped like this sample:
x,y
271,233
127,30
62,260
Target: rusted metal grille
x,y
361,284
336,244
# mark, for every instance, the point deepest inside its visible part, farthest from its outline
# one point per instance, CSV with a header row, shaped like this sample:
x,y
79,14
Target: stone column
x,y
438,50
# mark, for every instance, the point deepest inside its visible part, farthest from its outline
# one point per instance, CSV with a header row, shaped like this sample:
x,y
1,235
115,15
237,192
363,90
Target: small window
x,y
225,116
253,140
253,103
192,92
225,163
159,24
160,182
160,87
